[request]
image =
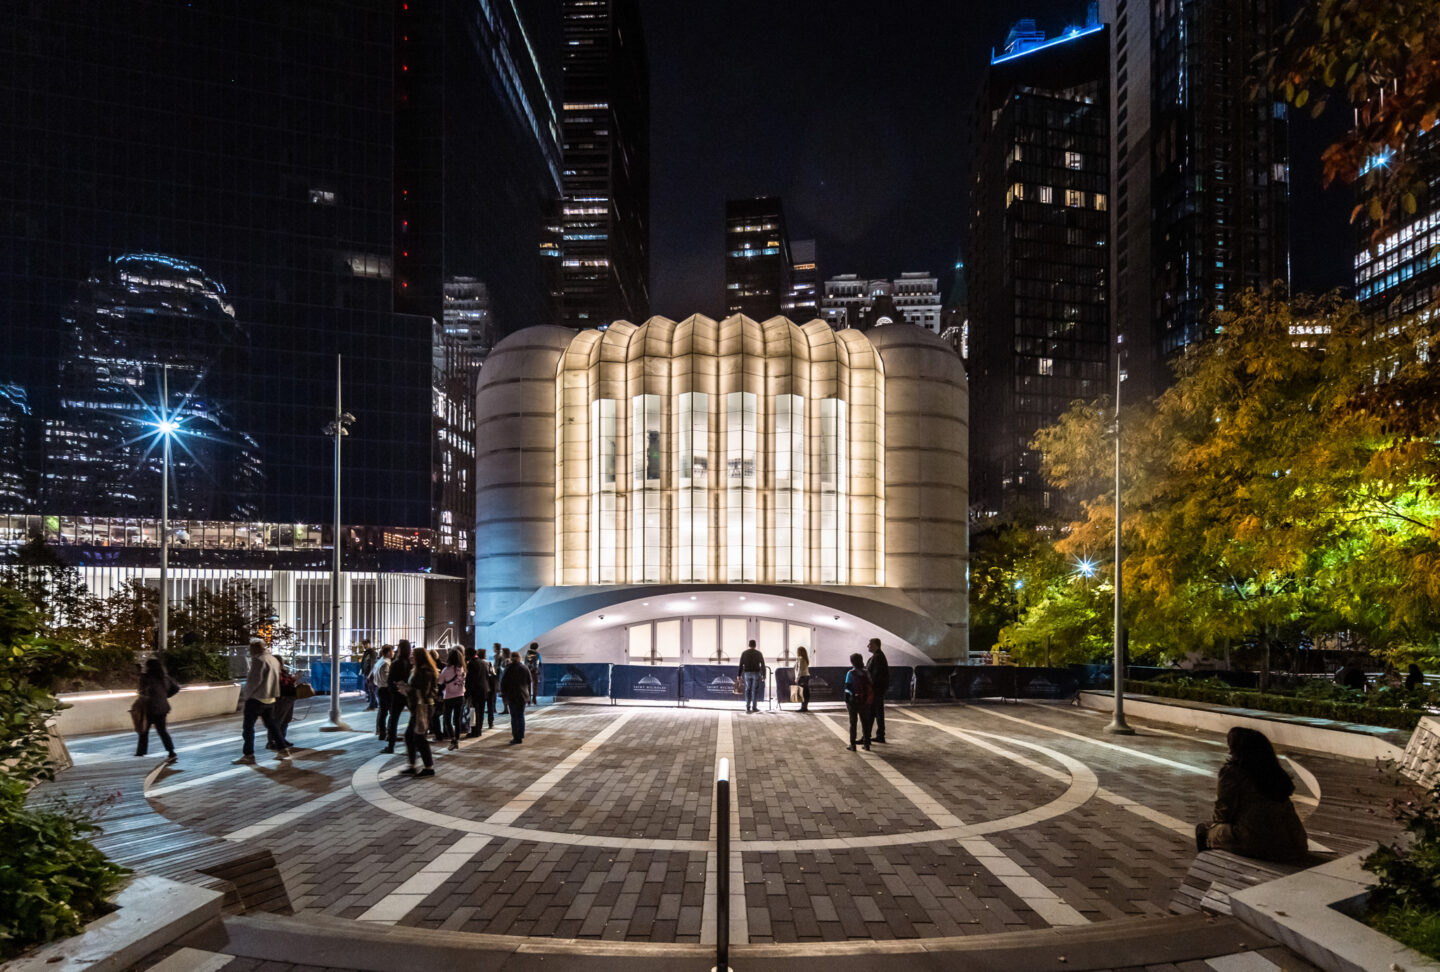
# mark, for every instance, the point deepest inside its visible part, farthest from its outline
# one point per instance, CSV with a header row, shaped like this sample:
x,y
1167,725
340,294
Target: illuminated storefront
x,y
667,492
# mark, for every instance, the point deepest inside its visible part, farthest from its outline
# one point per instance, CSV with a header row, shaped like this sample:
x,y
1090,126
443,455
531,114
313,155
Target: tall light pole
x,y
1117,724
167,427
337,429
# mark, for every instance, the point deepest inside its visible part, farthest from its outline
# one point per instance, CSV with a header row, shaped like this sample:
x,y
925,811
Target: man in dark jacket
x,y
879,669
752,670
477,687
515,686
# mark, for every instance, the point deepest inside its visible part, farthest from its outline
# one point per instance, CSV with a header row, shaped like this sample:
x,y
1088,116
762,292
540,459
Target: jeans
x,y
804,692
489,710
281,716
370,694
867,717
753,689
255,709
415,741
382,718
451,716
397,708
157,722
517,718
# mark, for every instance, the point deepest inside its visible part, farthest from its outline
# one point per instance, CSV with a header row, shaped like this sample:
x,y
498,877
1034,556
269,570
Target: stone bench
x,y
1216,874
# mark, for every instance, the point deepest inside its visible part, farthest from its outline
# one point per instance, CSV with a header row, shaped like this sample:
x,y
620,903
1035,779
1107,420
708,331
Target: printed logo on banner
x,y
981,685
573,683
649,685
1042,687
818,684
722,685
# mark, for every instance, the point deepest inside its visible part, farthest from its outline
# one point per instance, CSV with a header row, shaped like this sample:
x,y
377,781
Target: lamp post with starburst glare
x,y
167,426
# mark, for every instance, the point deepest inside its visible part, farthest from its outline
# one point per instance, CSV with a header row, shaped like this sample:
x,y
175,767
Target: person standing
x,y
532,662
422,685
452,691
380,675
802,676
859,700
278,739
153,694
752,670
477,687
514,685
367,662
879,668
262,688
495,671
399,691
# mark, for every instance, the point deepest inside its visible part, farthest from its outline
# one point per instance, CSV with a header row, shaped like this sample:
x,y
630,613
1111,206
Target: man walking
x,y
514,686
262,688
879,669
752,670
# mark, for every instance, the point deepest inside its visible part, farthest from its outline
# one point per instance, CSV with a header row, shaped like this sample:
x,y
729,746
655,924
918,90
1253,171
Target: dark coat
x,y
155,694
751,661
477,679
423,685
1248,822
515,683
879,668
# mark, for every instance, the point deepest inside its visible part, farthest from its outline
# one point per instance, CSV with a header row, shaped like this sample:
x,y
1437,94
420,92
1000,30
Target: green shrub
x,y
1405,903
196,663
1361,711
52,879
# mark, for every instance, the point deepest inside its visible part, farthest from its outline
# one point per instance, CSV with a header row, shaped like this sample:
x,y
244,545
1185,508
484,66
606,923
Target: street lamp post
x,y
337,429
1118,725
167,427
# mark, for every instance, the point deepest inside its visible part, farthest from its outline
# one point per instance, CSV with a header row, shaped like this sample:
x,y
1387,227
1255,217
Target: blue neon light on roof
x,y
1069,35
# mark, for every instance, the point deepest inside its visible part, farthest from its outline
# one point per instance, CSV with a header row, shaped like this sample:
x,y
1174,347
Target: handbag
x,y
739,684
138,715
304,690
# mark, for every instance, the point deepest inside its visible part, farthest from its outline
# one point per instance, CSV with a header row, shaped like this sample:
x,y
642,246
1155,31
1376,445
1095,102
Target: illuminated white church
x,y
665,492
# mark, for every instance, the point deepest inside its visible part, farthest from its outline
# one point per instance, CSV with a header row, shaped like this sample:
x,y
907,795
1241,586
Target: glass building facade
x,y
1039,268
758,262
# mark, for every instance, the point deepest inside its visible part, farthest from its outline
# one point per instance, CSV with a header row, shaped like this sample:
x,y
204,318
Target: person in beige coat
x,y
1253,815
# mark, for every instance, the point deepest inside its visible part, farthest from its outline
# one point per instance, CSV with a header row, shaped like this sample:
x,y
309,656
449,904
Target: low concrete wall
x,y
108,711
151,912
1309,913
1286,734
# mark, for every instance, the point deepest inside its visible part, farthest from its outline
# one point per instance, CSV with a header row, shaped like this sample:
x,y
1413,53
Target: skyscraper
x,y
758,262
605,245
1038,282
803,303
1397,272
1201,171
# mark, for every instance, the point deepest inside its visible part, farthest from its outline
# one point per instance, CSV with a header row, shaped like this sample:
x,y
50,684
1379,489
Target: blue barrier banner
x,y
656,683
932,682
713,683
350,680
900,678
1011,682
826,684
575,681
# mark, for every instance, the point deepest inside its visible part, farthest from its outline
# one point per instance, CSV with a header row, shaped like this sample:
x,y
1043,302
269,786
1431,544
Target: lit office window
x,y
604,516
741,521
834,489
646,461
692,558
789,489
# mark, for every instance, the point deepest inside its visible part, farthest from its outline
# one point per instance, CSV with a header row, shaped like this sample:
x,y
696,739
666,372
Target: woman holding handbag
x,y
452,691
152,706
423,681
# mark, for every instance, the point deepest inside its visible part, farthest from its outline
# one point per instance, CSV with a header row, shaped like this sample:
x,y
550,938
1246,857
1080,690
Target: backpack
x,y
862,689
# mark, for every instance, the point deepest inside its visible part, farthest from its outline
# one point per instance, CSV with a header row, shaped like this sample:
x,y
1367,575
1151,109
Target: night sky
x,y
859,116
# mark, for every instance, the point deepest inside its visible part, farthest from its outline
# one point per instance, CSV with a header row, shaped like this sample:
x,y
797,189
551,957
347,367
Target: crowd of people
x,y
456,695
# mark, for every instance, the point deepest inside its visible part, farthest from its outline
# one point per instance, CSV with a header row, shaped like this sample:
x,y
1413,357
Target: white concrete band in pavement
x,y
409,895
1040,899
739,917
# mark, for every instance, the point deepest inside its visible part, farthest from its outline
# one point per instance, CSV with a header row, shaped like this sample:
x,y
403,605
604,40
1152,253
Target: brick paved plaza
x,y
973,820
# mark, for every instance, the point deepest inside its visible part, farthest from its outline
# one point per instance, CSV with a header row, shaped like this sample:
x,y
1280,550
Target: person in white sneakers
x,y
262,688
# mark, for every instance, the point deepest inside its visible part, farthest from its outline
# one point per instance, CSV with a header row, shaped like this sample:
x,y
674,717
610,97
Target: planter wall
x,y
108,711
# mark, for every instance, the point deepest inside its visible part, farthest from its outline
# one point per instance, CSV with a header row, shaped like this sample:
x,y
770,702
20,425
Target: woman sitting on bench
x,y
1253,814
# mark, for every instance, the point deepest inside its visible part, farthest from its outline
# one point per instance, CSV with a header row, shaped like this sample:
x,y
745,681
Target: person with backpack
x,y
859,699
152,705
